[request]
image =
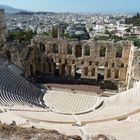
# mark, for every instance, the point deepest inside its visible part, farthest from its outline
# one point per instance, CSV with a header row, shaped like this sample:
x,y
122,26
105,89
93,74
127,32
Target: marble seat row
x,y
14,89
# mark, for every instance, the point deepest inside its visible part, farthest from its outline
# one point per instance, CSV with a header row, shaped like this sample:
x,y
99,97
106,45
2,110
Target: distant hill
x,y
11,10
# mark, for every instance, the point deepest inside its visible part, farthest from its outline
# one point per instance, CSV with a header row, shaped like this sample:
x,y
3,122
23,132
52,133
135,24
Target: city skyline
x,y
90,6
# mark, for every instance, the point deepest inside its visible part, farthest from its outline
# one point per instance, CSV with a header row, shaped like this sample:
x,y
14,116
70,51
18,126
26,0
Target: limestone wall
x,y
73,59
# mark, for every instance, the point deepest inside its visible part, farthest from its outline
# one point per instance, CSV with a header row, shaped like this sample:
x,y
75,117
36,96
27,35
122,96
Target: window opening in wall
x,y
113,65
108,73
116,74
78,51
69,49
96,63
82,62
101,73
106,64
93,72
119,52
90,62
87,50
55,48
122,65
86,71
102,51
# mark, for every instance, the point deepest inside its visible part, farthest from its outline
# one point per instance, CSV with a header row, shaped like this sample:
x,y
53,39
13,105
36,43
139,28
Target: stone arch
x,y
78,51
69,49
102,51
116,74
119,52
86,71
108,73
93,72
87,50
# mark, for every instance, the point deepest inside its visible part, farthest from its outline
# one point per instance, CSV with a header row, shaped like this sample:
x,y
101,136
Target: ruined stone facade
x,y
82,60
66,59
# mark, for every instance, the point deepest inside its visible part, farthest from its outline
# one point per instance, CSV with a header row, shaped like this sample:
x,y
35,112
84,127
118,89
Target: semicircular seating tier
x,y
14,89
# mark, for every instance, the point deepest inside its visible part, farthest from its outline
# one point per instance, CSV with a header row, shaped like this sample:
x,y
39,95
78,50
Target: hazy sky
x,y
76,5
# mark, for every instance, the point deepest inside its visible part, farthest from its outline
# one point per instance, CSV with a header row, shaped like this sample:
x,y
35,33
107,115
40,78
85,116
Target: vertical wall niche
x,y
78,51
55,48
102,51
87,50
108,73
116,74
63,69
86,71
119,52
93,72
69,49
106,64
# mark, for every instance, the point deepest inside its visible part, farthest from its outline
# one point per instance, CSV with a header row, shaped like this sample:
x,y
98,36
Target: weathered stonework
x,y
73,59
68,59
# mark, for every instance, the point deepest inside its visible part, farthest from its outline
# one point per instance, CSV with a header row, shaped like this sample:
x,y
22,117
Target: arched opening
x,y
55,48
87,50
106,64
31,70
90,62
116,74
113,65
108,73
78,51
122,65
86,71
96,63
78,72
63,69
93,72
82,62
102,51
73,61
101,73
69,49
119,52
56,67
